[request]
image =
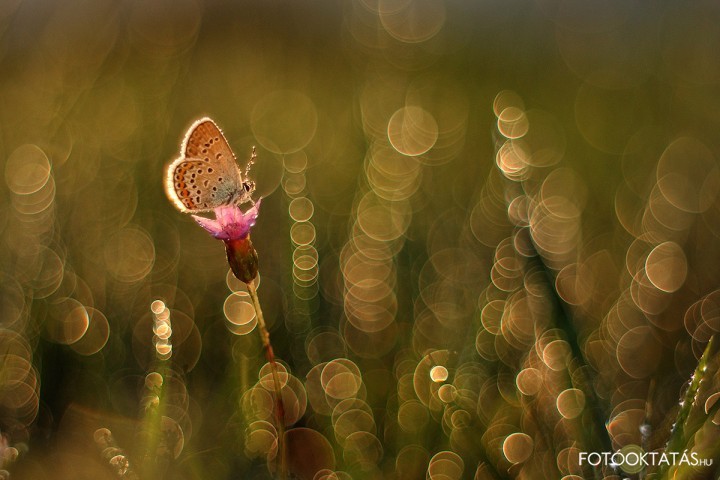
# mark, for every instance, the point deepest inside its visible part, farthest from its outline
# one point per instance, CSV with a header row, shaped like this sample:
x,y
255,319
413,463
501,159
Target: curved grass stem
x,y
270,357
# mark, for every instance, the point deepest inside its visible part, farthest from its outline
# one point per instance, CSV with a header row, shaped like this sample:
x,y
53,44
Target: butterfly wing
x,y
207,175
205,141
196,185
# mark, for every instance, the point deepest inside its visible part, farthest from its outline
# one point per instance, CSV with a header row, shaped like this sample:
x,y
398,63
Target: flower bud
x,y
243,258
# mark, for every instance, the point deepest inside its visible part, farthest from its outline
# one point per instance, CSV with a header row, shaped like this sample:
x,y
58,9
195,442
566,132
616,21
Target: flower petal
x,y
230,222
226,214
252,214
212,226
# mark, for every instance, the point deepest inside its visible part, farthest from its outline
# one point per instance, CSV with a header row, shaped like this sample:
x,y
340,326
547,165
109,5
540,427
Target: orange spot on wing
x,y
184,195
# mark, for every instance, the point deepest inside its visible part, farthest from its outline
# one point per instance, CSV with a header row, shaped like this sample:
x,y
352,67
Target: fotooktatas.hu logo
x,y
633,459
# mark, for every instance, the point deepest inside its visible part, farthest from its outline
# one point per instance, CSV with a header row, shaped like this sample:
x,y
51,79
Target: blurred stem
x,y
645,427
564,323
153,464
270,357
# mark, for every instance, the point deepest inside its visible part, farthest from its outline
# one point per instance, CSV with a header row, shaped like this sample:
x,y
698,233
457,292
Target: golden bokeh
x,y
487,239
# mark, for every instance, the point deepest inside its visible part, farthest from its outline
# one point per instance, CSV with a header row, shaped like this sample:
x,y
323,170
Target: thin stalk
x,y
645,428
270,357
564,323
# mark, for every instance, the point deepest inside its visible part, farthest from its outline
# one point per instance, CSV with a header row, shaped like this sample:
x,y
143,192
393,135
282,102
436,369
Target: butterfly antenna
x,y
253,156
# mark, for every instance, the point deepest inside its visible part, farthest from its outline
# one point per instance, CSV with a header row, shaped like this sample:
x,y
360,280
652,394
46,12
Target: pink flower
x,y
230,222
232,226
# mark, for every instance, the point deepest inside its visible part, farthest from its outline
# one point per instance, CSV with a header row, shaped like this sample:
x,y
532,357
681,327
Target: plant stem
x,y
270,357
682,431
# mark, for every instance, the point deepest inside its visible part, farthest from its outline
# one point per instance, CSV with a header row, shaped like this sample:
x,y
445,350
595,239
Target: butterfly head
x,y
249,186
248,189
244,194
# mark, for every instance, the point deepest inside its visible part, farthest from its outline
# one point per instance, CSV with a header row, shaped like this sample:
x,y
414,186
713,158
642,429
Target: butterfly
x,y
206,174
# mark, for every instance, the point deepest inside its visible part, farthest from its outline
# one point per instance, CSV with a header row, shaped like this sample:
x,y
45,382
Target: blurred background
x,y
488,238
